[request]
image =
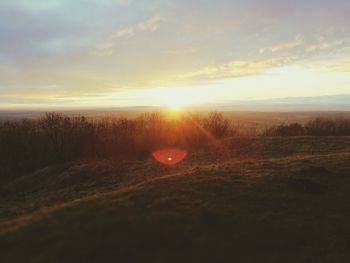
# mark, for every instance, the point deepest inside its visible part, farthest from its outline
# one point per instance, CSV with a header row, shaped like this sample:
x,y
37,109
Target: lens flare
x,y
170,156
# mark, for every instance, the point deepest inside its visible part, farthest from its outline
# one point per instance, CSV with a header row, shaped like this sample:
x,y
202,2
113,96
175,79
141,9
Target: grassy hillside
x,y
240,200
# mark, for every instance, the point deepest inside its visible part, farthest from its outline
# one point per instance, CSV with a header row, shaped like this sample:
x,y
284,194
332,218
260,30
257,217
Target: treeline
x,y
28,145
317,127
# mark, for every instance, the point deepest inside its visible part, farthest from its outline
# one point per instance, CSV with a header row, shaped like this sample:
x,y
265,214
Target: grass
x,y
244,200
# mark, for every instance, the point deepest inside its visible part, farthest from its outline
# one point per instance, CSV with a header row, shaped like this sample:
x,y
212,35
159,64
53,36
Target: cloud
x,y
151,25
99,46
296,42
324,45
236,69
107,48
182,51
126,32
123,2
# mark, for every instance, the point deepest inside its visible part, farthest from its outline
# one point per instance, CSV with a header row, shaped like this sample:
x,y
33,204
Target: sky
x,y
117,53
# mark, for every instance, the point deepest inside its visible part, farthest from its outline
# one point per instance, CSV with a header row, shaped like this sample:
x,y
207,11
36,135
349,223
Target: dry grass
x,y
243,199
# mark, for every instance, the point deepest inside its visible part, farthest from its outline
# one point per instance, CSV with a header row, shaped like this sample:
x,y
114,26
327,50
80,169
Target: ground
x,y
239,200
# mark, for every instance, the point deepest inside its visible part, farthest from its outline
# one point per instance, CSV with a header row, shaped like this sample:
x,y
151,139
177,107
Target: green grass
x,y
244,200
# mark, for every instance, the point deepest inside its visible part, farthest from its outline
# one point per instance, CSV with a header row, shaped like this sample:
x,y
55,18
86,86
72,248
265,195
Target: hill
x,y
289,104
243,199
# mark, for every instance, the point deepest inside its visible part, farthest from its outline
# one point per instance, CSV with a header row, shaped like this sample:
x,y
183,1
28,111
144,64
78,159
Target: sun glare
x,y
170,156
175,106
174,99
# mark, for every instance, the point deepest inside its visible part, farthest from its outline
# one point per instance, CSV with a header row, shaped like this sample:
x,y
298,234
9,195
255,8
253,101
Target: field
x,y
240,199
174,131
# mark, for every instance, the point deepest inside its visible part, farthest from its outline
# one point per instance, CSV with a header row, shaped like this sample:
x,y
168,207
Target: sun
x,y
174,99
176,105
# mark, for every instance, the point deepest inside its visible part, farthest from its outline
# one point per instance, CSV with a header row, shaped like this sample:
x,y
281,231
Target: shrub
x,y
328,127
218,126
317,127
294,129
28,145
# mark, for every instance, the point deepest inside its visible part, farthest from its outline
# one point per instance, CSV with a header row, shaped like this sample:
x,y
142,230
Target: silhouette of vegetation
x,y
231,194
317,127
218,126
28,145
294,129
328,127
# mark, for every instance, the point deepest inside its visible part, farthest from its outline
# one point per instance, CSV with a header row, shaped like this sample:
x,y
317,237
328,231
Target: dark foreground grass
x,y
288,207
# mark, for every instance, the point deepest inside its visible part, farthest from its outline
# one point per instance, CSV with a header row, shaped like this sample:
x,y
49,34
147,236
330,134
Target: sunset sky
x,y
115,53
